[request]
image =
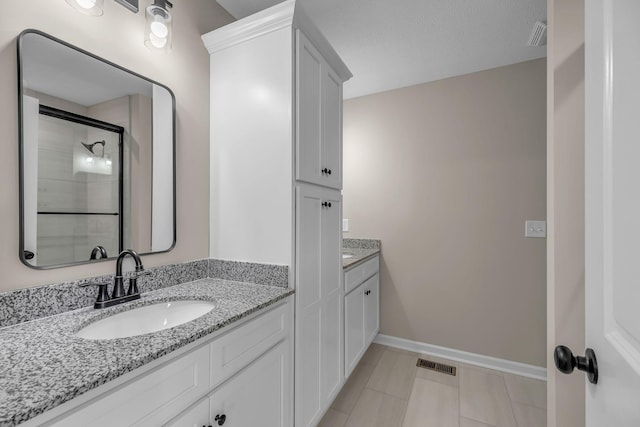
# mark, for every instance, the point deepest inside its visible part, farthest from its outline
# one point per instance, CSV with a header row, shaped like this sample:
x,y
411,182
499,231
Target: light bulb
x,y
156,41
88,7
159,29
86,4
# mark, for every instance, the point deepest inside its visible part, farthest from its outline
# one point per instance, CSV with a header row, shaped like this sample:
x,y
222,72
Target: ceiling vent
x,y
538,35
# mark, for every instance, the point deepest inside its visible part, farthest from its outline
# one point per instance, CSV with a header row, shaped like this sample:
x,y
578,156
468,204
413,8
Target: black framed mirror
x,y
96,144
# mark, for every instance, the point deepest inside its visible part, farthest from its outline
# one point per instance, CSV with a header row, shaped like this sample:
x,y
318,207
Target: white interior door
x,y
612,218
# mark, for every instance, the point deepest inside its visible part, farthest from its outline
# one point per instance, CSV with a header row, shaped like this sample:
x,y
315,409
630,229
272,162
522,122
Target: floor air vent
x,y
438,367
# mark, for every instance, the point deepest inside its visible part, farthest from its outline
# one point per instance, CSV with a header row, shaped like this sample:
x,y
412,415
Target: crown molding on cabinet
x,y
282,15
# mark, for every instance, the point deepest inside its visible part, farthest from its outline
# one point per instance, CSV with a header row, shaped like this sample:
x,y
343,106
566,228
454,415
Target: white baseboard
x,y
503,365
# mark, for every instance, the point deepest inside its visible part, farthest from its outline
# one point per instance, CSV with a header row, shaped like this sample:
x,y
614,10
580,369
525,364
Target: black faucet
x,y
118,286
118,296
98,250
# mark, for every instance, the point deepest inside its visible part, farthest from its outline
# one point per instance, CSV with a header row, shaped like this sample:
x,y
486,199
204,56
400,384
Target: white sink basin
x,y
143,320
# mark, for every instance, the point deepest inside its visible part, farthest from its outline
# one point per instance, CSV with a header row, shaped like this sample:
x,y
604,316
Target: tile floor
x,y
387,389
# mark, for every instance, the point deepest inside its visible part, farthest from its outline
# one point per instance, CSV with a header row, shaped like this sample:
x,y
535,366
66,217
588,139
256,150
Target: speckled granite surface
x,y
360,249
263,274
361,243
23,305
43,364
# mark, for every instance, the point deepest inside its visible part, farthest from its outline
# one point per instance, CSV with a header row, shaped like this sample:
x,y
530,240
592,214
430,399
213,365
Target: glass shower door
x,y
79,198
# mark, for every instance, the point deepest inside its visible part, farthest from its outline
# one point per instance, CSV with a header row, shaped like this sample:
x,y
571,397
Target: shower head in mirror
x,y
90,147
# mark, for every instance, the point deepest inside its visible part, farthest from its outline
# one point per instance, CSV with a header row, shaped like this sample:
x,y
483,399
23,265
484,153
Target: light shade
x,y
158,29
88,7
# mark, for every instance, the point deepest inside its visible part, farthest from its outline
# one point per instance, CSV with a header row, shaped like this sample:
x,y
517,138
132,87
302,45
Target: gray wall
x,y
118,37
446,173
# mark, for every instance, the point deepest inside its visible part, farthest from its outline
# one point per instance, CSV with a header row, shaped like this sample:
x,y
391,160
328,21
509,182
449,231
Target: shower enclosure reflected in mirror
x,y
96,143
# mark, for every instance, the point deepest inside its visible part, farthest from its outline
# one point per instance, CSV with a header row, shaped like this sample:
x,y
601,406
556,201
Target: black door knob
x,y
220,419
566,362
329,171
325,170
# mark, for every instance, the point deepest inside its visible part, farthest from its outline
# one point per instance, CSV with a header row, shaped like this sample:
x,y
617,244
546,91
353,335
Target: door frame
x,y
565,206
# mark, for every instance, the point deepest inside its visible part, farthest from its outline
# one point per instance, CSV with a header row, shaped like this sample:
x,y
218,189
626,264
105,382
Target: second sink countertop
x,y
359,255
44,363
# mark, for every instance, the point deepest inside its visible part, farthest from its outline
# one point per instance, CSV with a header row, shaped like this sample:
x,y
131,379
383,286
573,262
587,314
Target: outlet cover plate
x,y
535,229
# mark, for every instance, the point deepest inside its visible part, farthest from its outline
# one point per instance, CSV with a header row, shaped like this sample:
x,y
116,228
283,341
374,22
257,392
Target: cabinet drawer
x,y
148,401
360,273
234,351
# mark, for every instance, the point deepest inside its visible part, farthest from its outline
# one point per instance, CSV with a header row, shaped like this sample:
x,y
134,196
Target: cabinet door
x,y
150,400
319,117
308,304
196,416
353,328
319,323
258,395
331,128
372,309
332,356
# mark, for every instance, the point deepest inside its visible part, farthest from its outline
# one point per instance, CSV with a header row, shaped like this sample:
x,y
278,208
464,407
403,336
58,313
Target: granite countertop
x,y
44,364
359,255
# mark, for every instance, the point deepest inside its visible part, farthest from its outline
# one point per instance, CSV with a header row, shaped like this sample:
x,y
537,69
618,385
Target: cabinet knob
x,y
326,171
329,171
326,204
220,419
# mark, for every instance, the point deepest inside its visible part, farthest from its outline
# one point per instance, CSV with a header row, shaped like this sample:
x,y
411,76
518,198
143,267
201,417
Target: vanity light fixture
x,y
158,30
94,7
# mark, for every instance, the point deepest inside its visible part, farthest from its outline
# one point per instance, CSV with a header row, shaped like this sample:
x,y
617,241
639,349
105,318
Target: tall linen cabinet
x,y
276,176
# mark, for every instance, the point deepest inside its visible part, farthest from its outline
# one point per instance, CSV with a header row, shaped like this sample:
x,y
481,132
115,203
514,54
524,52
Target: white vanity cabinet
x,y
362,311
253,397
244,373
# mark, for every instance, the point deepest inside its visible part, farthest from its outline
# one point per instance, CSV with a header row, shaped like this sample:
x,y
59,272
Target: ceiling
x,y
389,44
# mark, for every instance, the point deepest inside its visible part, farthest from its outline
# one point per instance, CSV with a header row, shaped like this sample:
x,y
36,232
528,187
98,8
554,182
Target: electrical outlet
x,y
535,229
345,225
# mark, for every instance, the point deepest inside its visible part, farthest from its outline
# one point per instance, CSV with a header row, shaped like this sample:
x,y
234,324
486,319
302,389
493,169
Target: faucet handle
x,y
103,294
133,280
87,284
136,274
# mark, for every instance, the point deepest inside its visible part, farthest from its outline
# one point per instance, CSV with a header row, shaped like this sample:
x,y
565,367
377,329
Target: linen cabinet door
x,y
319,318
256,396
332,356
308,295
331,150
309,80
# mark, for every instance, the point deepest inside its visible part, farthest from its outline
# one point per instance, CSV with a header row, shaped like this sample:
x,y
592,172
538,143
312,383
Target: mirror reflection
x,y
97,152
